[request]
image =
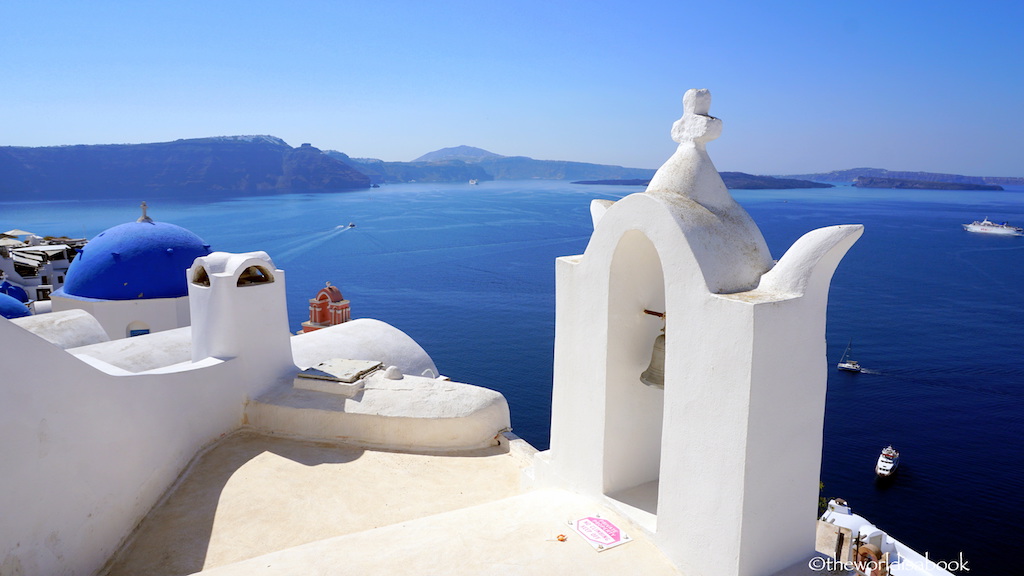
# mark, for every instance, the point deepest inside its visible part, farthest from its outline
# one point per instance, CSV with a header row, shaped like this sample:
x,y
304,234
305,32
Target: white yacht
x,y
888,460
988,227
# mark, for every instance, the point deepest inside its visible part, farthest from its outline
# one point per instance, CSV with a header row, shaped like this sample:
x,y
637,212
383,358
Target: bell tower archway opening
x,y
634,411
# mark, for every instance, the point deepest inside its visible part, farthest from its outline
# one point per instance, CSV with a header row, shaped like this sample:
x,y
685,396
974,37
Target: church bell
x,y
655,373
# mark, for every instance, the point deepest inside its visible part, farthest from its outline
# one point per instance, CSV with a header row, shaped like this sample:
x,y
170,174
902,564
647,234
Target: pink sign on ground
x,y
600,533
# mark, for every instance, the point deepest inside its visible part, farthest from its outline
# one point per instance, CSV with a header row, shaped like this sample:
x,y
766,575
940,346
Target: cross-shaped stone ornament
x,y
696,125
144,217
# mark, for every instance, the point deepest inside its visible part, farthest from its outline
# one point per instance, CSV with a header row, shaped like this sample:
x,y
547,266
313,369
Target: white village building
x,y
32,267
223,444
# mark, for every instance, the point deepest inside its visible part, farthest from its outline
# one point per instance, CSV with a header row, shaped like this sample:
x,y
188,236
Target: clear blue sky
x,y
800,86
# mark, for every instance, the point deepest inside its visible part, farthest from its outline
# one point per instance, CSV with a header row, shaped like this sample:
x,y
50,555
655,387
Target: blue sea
x,y
934,314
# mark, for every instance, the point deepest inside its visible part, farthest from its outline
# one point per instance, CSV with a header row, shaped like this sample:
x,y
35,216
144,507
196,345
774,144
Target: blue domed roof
x,y
137,260
11,308
16,292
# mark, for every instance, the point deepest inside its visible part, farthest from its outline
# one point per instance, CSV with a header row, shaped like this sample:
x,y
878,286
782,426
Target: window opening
x,y
136,328
255,275
201,278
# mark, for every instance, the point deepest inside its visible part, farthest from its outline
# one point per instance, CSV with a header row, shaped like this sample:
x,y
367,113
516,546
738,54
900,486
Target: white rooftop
x,y
256,504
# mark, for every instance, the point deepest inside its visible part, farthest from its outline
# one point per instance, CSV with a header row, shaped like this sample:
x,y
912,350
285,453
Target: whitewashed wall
x,y
86,454
116,315
88,448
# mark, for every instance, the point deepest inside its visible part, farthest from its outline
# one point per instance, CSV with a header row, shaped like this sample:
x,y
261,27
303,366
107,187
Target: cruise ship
x,y
988,227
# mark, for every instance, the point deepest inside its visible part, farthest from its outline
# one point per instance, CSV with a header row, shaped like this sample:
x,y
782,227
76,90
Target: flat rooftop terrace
x,y
255,504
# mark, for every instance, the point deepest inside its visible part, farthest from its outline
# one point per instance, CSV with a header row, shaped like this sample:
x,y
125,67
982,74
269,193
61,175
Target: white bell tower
x,y
239,311
721,465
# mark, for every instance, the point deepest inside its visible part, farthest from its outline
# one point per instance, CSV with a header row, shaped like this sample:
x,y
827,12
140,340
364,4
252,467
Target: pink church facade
x,y
328,308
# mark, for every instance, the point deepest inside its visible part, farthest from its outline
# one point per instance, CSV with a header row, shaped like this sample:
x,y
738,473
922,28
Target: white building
x,y
855,542
34,266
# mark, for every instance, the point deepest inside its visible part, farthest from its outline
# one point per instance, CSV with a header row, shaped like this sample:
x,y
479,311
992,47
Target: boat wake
x,y
308,242
981,270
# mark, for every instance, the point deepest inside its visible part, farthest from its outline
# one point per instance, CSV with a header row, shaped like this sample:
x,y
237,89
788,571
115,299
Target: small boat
x,y
473,182
351,225
988,227
846,364
888,460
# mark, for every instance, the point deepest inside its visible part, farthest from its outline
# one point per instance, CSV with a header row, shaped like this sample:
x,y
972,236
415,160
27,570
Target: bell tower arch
x,y
632,435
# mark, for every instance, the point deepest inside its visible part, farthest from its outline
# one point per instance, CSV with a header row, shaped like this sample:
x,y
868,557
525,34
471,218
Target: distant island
x,y
194,166
265,164
465,163
256,164
623,182
869,182
733,181
851,175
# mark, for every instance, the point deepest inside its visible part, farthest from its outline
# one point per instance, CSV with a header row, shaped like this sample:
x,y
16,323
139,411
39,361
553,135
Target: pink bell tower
x,y
328,308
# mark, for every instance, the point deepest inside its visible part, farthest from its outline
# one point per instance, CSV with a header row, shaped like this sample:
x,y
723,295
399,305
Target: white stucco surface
x,y
516,535
250,494
808,264
66,329
363,339
233,319
115,316
77,331
723,238
87,453
142,353
411,413
255,504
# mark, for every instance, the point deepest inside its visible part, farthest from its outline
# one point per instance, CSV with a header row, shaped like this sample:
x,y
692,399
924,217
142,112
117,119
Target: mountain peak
x,y
464,153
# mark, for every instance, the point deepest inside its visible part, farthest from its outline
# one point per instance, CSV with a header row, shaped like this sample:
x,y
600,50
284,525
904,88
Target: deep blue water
x,y
468,271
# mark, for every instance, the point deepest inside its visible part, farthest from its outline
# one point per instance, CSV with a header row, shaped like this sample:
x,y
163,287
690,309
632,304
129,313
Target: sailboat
x,y
846,364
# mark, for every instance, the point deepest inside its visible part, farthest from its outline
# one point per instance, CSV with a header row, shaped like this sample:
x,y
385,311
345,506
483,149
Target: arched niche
x,y
136,328
634,412
253,275
200,277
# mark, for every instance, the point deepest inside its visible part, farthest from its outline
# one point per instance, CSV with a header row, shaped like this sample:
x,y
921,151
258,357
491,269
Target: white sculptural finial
x,y
144,217
737,254
696,125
